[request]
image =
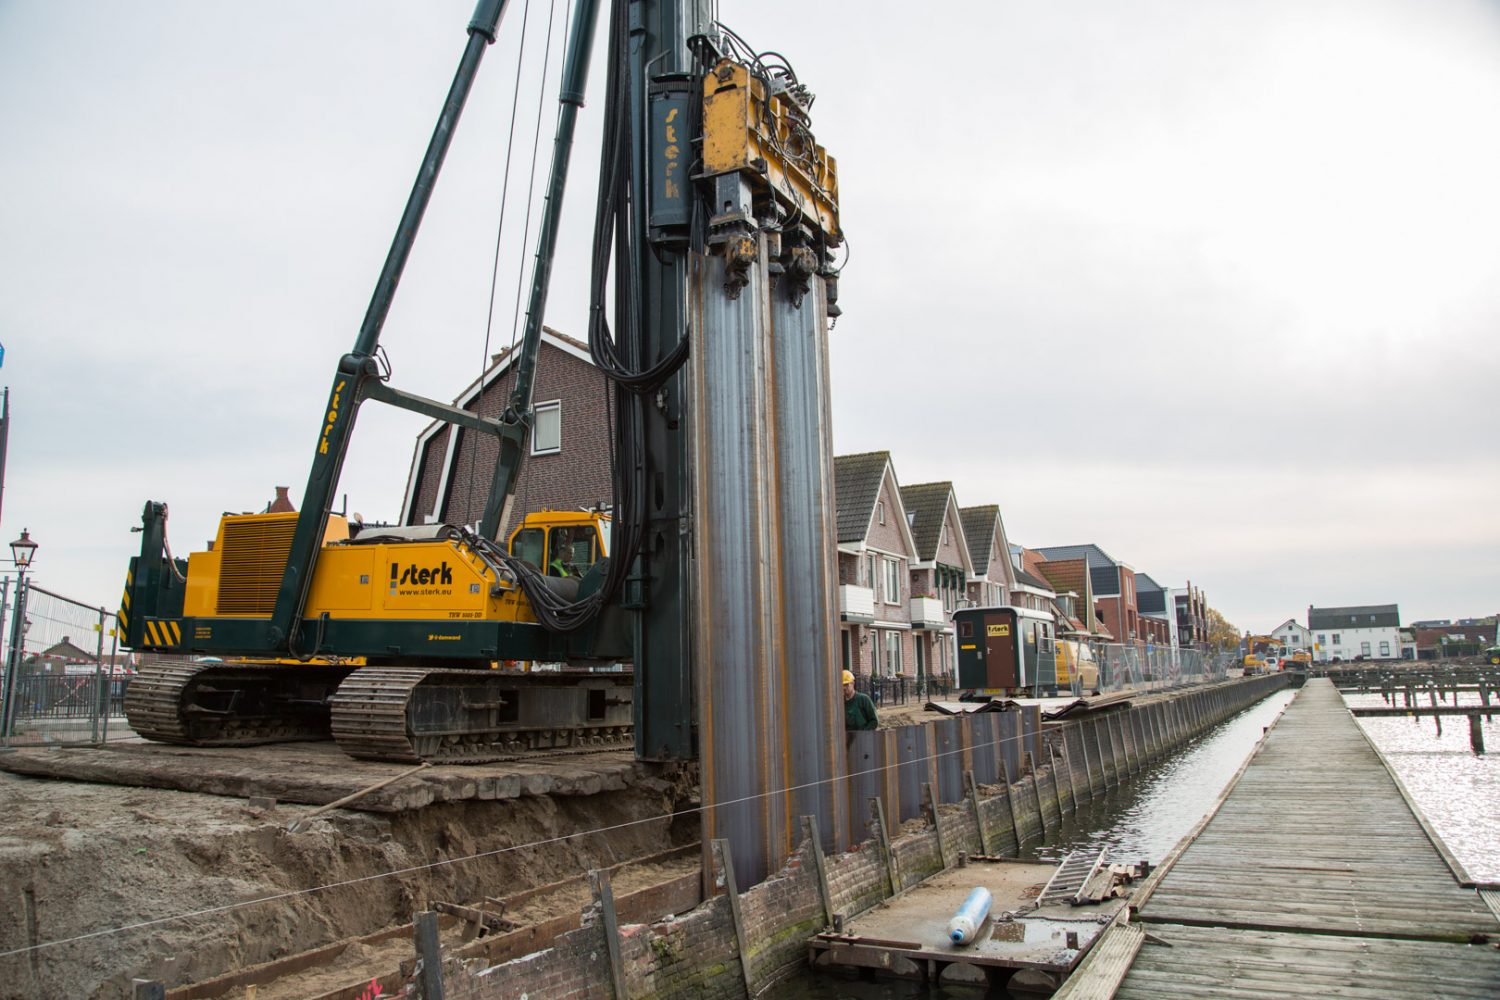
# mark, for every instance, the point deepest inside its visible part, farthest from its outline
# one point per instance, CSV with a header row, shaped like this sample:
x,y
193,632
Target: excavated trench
x,y
101,884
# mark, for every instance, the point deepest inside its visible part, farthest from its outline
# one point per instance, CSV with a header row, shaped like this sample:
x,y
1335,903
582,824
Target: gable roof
x,y
1026,579
856,484
979,531
500,364
1104,570
928,506
1361,616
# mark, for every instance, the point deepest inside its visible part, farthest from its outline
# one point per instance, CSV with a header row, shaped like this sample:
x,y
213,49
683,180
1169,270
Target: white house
x,y
1372,632
1292,634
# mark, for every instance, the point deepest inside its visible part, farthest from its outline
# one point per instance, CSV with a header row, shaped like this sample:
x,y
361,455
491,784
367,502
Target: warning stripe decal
x,y
163,633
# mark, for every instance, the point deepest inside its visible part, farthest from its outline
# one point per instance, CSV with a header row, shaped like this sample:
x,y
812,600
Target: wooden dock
x,y
1313,877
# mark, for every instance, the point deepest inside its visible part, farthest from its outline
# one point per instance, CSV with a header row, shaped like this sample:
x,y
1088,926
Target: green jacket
x,y
859,713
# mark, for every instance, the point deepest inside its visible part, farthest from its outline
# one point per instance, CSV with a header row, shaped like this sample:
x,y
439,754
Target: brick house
x,y
1113,585
1071,582
875,553
994,575
940,574
60,658
568,464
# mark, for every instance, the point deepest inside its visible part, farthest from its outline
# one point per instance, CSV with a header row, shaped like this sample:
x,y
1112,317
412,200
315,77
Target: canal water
x,y
1457,790
1142,820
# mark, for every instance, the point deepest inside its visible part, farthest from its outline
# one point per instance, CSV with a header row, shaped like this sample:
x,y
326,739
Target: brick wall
x,y
576,476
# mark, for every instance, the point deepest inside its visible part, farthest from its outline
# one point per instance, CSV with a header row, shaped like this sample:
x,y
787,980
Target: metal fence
x,y
1074,667
58,685
900,689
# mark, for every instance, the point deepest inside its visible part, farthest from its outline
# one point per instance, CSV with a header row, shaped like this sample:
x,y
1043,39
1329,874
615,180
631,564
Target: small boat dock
x,y
1043,918
1314,876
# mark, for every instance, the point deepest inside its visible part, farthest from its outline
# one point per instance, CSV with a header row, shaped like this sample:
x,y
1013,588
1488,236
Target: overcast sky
x,y
1212,283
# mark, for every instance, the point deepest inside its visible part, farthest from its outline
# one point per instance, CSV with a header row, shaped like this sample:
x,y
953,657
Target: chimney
x,y
282,504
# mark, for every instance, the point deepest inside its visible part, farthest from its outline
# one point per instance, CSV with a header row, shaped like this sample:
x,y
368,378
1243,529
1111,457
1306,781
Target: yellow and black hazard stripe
x,y
163,633
123,615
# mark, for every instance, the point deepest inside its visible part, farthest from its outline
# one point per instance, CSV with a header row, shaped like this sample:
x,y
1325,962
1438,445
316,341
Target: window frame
x,y
892,581
537,409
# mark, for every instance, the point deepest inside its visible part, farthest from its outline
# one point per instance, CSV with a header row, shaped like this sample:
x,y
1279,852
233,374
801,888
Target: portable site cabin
x,y
1005,649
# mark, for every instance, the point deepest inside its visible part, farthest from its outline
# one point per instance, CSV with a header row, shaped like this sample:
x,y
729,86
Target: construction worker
x,y
859,710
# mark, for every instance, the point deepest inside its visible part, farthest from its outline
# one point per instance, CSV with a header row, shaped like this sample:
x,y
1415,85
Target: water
x,y
1457,790
1148,816
1142,820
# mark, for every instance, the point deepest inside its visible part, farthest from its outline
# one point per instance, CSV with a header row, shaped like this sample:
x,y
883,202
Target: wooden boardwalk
x,y
1313,878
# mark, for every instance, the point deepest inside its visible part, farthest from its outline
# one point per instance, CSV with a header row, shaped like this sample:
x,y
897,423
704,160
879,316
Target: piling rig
x,y
717,215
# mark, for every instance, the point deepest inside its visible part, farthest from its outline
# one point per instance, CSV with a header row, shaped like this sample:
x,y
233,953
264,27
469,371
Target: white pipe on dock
x,y
970,917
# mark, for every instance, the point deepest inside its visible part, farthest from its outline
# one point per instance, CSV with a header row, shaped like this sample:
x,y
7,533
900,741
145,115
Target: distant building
x,y
1113,584
1158,622
1191,608
1372,632
1293,635
1454,640
876,551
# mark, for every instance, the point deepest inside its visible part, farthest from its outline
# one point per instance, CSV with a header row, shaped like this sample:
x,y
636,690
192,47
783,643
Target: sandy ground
x,y
103,883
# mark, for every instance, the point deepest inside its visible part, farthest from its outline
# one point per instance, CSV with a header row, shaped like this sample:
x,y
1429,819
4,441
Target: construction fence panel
x,y
59,685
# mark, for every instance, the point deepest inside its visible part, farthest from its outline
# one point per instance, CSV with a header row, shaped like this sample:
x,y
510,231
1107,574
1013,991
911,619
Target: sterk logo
x,y
421,576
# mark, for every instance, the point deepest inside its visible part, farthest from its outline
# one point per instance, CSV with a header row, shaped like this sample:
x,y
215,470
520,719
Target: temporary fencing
x,y
60,684
1078,667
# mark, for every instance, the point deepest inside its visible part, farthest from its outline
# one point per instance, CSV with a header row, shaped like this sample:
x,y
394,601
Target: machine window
x,y
571,550
528,546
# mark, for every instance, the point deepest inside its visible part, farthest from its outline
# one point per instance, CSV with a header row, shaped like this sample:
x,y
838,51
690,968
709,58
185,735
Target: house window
x,y
880,512
1364,649
870,580
892,580
892,653
1336,639
1385,648
546,430
1322,639
945,534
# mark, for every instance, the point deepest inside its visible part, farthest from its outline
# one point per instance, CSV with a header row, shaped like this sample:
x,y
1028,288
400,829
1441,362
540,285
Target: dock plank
x,y
1314,877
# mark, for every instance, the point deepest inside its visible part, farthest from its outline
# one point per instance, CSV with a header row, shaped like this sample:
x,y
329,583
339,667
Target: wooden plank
x,y
1104,966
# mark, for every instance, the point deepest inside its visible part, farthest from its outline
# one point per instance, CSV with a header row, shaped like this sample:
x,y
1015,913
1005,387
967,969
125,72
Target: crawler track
x,y
383,713
473,717
220,704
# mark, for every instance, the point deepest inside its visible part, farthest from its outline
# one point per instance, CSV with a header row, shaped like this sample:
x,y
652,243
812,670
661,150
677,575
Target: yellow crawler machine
x,y
404,607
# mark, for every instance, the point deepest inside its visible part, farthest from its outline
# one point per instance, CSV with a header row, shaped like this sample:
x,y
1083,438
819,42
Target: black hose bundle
x,y
615,237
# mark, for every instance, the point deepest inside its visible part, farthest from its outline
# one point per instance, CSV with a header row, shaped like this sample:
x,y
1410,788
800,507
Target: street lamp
x,y
22,551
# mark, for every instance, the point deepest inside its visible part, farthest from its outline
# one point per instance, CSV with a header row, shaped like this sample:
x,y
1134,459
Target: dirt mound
x,y
100,884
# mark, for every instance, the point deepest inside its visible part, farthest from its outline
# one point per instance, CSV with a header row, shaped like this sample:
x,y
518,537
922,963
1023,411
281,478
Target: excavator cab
x,y
563,544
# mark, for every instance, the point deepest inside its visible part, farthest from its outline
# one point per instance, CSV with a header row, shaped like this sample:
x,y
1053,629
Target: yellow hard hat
x,y
848,677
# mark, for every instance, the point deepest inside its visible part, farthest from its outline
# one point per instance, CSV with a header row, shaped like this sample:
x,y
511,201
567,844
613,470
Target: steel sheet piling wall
x,y
739,666
770,713
809,574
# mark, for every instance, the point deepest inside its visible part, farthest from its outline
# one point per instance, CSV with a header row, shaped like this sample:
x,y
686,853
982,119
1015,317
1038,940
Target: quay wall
x,y
697,953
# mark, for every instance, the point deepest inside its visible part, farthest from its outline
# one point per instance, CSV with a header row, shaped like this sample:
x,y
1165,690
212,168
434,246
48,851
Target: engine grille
x,y
253,557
